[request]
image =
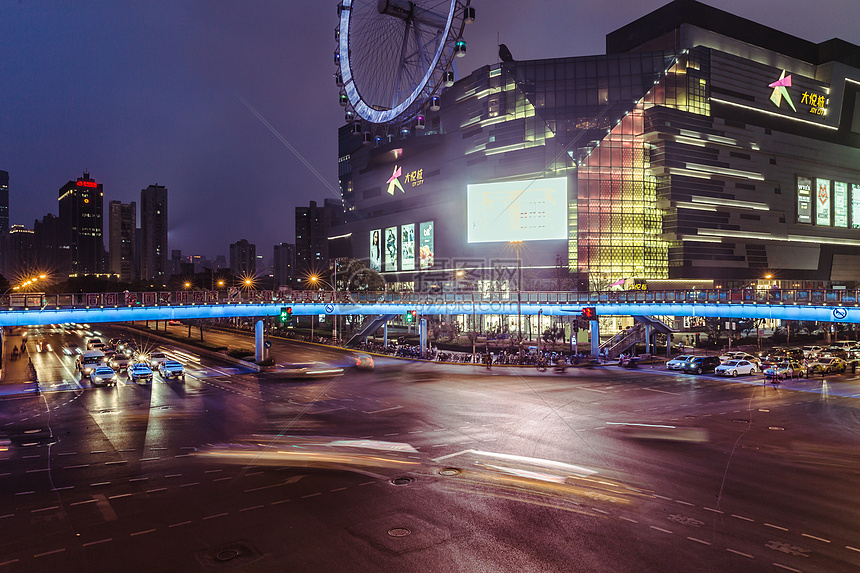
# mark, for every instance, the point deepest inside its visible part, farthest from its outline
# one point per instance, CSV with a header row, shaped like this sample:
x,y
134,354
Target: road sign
x,y
329,308
268,344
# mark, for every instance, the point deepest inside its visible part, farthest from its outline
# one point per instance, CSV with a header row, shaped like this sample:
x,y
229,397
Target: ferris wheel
x,y
394,56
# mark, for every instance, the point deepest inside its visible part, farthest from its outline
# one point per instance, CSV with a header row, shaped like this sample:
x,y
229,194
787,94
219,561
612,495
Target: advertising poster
x,y
376,249
407,247
391,249
855,206
822,202
533,210
804,200
426,249
840,204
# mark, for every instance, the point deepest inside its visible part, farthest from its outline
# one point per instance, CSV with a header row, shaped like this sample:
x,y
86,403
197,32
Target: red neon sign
x,y
87,184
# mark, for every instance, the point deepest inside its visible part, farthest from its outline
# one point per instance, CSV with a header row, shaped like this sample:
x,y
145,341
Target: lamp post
x,y
519,301
315,279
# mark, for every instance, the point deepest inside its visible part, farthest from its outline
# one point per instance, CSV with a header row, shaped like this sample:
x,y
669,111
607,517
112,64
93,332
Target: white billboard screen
x,y
840,204
822,204
517,210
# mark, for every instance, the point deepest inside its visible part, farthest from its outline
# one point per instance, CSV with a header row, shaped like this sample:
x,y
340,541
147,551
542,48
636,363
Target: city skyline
x,y
157,94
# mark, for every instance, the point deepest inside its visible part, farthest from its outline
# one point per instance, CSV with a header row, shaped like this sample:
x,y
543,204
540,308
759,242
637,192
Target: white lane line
x,y
252,507
156,490
713,510
97,542
683,502
83,502
815,538
25,492
7,515
279,502
662,497
74,467
699,541
35,471
787,568
222,479
383,410
660,529
42,554
116,463
311,495
11,561
63,488
742,517
775,526
141,532
147,459
100,483
338,489
846,547
98,452
67,454
45,509
179,524
740,553
119,496
190,484
139,479
173,475
216,515
661,391
591,389
212,471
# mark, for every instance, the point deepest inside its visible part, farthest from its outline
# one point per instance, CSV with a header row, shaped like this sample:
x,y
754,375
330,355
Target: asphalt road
x,y
431,467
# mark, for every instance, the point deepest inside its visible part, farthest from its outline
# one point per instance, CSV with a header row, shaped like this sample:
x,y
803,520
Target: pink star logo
x,y
393,181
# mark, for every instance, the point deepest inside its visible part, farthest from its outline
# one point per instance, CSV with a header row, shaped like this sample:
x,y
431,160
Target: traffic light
x,y
286,314
589,313
411,316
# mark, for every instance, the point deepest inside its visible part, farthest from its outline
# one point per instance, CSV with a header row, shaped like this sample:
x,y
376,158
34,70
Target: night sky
x,y
139,93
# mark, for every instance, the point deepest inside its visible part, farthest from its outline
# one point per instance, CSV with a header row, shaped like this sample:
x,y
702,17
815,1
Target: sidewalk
x,y
15,379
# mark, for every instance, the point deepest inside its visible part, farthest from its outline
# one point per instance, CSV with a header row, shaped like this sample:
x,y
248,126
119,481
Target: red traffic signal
x,y
589,313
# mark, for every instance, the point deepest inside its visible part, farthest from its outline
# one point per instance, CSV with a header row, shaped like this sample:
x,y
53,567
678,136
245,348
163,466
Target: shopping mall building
x,y
701,146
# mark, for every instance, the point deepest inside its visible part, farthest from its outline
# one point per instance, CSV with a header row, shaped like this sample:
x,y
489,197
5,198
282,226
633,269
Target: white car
x,y
102,376
736,368
154,358
739,356
171,369
675,363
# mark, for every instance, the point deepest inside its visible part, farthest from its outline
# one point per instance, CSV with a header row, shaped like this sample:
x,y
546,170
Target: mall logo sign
x,y
394,181
817,103
413,178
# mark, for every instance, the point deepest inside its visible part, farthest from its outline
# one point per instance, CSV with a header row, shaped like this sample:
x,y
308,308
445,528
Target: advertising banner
x,y
855,206
407,247
376,250
840,204
426,249
517,210
391,249
804,200
822,202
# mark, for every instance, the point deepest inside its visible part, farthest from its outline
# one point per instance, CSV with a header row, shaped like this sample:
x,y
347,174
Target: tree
x,y
357,276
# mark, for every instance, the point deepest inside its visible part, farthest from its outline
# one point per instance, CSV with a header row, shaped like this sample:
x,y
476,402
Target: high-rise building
x,y
122,225
285,264
21,252
46,241
312,229
153,228
243,259
4,216
81,224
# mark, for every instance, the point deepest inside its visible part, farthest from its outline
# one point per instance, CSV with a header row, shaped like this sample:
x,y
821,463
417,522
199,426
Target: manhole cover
x,y
449,471
226,555
402,480
398,532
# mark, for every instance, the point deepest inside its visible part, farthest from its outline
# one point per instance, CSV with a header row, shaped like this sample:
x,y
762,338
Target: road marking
x,y
216,515
41,554
699,541
775,527
190,484
141,532
119,496
660,529
384,410
222,479
311,495
100,483
25,492
116,463
740,553
97,542
591,389
279,502
67,454
846,547
139,479
212,471
74,467
252,507
83,502
662,497
628,519
683,502
34,471
338,489
661,391
179,524
787,568
173,476
98,452
713,510
742,517
45,509
815,538
156,490
148,459
154,449
182,456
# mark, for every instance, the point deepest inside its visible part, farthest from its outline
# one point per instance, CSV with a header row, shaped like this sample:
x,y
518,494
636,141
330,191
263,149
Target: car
x,y
89,360
153,358
701,364
675,363
787,369
735,368
809,351
92,342
363,362
307,371
114,342
739,356
139,371
71,349
119,363
827,364
171,369
102,376
837,351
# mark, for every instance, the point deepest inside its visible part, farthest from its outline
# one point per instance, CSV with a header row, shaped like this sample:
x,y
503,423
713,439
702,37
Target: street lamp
x,y
315,280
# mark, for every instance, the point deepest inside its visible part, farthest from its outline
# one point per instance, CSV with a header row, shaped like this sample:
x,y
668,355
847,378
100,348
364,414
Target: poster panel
x,y
822,202
407,247
391,248
376,250
426,252
804,200
533,210
840,204
855,206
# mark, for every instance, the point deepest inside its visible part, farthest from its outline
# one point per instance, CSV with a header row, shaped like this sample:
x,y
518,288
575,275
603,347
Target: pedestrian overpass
x,y
819,305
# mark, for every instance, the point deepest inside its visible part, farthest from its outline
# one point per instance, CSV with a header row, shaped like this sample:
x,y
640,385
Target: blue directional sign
x,y
268,344
329,308
839,313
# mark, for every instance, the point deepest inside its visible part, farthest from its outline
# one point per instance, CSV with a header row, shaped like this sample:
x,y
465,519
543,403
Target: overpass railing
x,y
847,297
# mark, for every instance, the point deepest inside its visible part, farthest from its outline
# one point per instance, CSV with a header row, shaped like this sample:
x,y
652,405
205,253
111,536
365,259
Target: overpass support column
x,y
648,335
385,335
595,339
259,342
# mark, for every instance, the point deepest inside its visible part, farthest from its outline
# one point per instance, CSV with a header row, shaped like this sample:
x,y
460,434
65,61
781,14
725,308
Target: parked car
x,y
139,371
827,364
171,369
701,364
788,369
675,363
735,368
102,376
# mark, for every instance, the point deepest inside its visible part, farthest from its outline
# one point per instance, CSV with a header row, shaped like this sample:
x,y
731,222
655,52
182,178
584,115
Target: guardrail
x,y
15,301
